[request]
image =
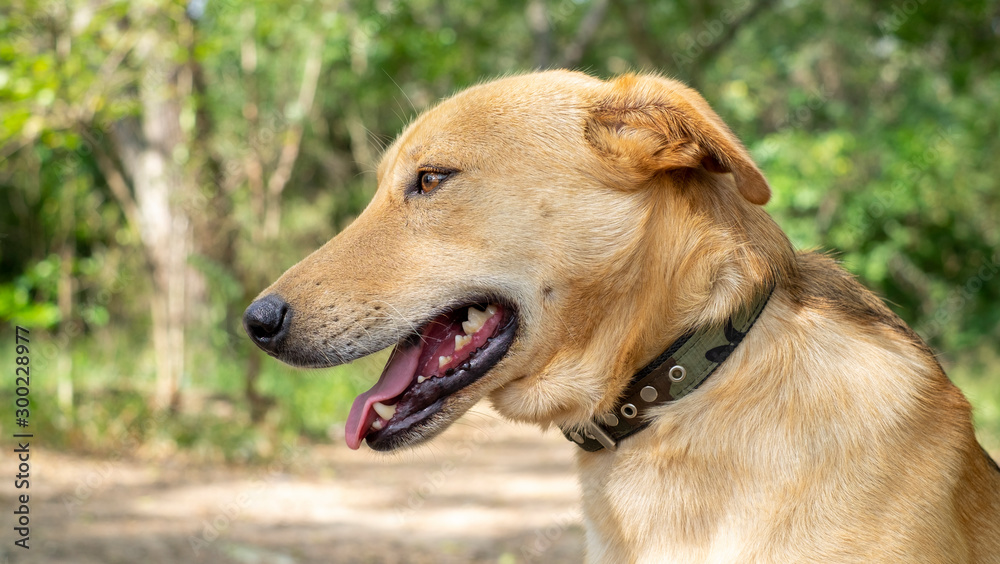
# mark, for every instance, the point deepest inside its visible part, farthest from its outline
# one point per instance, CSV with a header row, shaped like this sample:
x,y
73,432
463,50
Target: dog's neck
x,y
676,372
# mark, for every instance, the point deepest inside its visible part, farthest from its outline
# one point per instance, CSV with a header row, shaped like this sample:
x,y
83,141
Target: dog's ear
x,y
648,125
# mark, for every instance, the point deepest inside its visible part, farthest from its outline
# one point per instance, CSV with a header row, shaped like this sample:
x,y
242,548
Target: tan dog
x,y
590,224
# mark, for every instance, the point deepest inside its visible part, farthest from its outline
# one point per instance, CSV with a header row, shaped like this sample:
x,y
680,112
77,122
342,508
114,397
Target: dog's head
x,y
535,239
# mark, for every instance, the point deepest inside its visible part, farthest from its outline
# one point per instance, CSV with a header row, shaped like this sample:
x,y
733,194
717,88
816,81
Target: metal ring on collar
x,y
677,373
629,411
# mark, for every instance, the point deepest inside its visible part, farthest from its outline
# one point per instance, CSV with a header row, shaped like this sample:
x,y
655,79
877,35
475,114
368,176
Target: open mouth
x,y
452,351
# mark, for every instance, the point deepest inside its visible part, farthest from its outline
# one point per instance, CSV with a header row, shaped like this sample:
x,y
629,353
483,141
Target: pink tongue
x,y
396,376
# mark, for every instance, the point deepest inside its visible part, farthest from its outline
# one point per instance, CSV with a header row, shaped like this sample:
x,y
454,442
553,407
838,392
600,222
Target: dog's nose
x,y
266,321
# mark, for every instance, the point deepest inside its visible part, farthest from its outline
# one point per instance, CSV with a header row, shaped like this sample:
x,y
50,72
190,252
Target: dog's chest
x,y
642,510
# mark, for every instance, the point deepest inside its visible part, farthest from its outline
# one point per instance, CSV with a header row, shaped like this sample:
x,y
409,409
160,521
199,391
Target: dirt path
x,y
485,491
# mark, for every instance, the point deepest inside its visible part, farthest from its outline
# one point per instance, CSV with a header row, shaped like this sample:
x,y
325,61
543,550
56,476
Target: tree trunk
x,y
152,153
66,288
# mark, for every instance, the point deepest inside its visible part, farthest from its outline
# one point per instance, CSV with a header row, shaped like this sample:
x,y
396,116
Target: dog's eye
x,y
430,180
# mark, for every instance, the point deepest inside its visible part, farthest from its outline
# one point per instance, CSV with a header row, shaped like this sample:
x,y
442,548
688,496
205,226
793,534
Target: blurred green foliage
x,y
16,301
877,123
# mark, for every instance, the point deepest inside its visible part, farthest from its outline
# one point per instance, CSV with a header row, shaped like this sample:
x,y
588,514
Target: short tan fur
x,y
616,215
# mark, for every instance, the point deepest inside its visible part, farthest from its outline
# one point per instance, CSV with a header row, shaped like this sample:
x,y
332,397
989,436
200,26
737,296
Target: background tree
x,y
162,161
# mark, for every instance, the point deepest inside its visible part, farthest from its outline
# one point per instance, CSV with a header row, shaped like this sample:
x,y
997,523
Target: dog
x,y
594,255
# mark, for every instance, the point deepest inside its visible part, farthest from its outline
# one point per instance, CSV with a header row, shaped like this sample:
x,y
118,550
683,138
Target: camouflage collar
x,y
687,363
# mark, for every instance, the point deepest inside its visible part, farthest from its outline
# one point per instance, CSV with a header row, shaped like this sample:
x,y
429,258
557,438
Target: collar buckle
x,y
595,431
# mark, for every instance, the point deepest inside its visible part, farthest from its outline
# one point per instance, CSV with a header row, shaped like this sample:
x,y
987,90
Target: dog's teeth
x,y
461,341
491,310
443,360
420,379
475,322
377,425
384,411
